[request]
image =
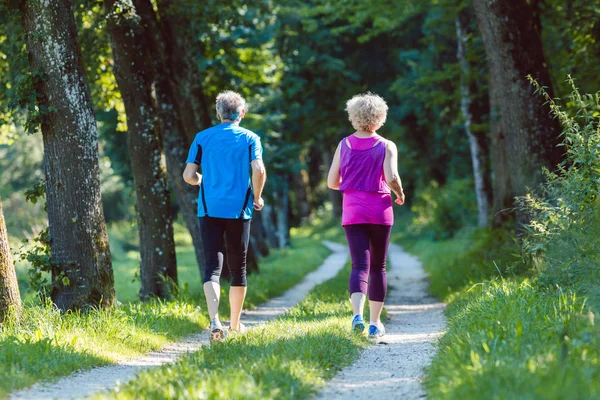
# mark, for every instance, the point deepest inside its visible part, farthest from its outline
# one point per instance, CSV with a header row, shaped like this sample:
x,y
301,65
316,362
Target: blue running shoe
x,y
375,332
358,324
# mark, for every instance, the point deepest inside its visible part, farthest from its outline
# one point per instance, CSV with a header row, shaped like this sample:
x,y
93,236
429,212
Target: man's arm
x,y
390,170
259,177
191,175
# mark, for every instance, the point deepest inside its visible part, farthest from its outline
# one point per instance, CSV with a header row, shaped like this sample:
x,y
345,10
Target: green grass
x,y
288,358
48,344
508,337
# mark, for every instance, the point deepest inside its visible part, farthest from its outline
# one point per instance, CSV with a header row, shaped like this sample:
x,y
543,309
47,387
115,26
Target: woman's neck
x,y
364,134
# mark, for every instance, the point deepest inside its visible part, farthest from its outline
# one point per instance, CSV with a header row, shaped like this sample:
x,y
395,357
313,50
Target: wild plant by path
x,y
393,368
105,378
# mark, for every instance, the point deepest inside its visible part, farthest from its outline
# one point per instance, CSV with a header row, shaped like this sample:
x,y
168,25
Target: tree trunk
x,y
193,105
268,220
175,141
281,199
511,34
258,236
79,243
135,77
10,300
472,121
301,192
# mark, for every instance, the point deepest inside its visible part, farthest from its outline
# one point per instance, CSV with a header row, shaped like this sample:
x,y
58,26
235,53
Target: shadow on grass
x,y
283,361
26,362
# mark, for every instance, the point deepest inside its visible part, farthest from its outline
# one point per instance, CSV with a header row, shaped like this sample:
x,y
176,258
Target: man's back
x,y
224,153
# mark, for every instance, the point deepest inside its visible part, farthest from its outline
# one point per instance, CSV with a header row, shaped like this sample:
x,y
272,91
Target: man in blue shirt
x,y
227,155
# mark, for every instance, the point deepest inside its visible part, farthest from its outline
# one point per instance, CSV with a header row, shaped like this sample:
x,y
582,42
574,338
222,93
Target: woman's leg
x,y
358,241
237,236
379,236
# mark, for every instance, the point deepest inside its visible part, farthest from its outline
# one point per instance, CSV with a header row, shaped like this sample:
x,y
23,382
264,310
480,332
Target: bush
x,y
443,211
563,235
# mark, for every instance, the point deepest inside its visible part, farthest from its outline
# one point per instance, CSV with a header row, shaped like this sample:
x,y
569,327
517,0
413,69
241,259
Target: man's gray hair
x,y
230,105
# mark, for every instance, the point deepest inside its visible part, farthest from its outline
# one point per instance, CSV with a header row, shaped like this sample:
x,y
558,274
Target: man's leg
x,y
237,236
212,240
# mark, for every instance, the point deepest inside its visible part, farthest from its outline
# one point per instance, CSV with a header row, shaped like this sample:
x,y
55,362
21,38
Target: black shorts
x,y
216,232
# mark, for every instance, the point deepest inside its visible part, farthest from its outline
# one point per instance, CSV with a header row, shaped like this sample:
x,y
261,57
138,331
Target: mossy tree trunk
x,y
511,34
134,72
189,91
175,141
10,300
79,243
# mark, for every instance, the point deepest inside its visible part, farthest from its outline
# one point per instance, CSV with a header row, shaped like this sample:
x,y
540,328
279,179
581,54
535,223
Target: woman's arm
x,y
390,170
333,178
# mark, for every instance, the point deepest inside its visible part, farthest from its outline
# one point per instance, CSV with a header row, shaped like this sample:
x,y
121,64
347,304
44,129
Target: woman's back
x,y
367,198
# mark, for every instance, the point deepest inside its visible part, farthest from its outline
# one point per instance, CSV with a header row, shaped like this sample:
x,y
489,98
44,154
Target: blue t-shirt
x,y
224,153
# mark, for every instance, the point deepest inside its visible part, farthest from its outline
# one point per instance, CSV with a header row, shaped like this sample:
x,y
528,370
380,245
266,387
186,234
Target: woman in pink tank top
x,y
365,170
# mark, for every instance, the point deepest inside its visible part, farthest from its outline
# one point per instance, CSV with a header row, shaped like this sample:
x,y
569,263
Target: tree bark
x,y
175,141
472,122
511,34
10,300
193,105
135,77
79,242
335,196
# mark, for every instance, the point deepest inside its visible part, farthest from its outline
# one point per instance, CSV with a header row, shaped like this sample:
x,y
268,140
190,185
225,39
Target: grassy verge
x,y
49,344
509,336
284,359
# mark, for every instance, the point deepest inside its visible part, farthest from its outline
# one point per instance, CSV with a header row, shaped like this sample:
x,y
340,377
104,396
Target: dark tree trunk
x,y
472,115
135,77
10,300
268,220
511,34
189,92
175,141
258,236
301,195
502,199
79,243
281,200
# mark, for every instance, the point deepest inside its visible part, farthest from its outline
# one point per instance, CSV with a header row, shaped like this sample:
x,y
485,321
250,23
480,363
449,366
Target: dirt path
x,y
89,382
393,368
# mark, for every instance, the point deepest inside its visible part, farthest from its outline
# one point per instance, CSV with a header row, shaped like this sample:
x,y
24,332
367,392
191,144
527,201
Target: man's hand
x,y
259,204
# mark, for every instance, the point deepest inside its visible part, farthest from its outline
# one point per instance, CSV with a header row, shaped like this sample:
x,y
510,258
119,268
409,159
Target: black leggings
x,y
215,233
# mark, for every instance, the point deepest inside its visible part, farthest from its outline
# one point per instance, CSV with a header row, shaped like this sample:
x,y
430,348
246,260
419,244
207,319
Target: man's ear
x,y
243,113
219,117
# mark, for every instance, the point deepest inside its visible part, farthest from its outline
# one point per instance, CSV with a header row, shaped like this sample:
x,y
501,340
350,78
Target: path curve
x,y
87,383
393,369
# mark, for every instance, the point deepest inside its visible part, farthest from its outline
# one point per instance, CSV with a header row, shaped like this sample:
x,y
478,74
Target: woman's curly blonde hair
x,y
367,112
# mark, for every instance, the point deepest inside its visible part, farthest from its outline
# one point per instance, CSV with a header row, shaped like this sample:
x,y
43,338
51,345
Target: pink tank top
x,y
367,198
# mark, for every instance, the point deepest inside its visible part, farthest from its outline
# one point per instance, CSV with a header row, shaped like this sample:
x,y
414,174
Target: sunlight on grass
x,y
288,358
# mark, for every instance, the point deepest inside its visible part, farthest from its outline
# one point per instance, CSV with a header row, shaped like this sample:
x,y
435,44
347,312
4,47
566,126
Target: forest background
x,y
469,86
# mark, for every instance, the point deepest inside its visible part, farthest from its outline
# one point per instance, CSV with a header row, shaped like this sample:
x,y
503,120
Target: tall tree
x,y
80,251
134,71
171,116
511,34
10,300
472,112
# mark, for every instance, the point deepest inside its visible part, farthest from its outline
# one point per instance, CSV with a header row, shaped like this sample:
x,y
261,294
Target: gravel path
x,y
87,383
393,368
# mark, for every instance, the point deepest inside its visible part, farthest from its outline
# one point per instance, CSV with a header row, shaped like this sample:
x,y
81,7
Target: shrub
x,y
443,211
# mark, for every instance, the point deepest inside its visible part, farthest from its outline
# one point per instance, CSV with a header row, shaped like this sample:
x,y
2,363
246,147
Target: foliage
x,y
443,211
563,232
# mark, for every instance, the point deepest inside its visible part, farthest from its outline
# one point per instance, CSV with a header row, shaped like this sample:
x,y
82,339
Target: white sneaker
x,y
217,332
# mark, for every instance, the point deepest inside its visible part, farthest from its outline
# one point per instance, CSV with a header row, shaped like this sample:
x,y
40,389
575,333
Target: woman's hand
x,y
400,199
